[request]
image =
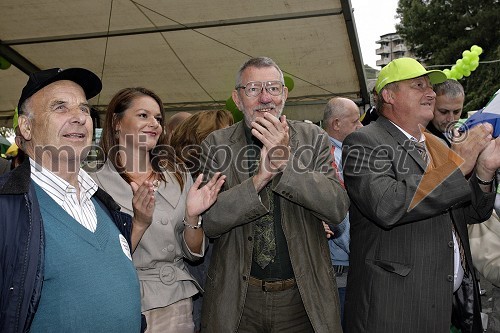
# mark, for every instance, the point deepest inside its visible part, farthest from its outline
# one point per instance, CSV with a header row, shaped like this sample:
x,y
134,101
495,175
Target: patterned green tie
x,y
420,146
265,243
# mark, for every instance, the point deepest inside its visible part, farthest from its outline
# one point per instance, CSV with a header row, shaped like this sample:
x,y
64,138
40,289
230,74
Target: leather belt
x,y
272,285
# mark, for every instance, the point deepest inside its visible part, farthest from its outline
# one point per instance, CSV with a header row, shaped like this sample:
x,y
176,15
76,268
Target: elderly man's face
x,y
413,101
60,123
348,122
254,107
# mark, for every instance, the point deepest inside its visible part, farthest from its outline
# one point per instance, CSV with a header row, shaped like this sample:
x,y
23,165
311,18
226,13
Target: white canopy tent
x,y
188,52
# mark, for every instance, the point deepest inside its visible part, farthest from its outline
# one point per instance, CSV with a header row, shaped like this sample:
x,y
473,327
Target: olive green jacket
x,y
309,193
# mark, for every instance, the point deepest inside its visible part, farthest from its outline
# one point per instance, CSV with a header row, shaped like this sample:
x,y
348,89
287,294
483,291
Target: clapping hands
x,y
199,199
275,152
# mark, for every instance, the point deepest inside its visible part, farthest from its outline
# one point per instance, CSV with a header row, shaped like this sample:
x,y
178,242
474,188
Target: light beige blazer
x,y
158,258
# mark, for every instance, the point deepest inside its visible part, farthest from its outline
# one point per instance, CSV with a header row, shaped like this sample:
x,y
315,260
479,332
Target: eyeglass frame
x,y
263,84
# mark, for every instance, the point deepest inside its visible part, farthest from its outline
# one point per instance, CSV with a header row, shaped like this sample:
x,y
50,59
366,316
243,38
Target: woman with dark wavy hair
x,y
134,143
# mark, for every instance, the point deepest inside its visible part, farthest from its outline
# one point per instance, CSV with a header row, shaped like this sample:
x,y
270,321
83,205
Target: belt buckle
x,y
264,287
271,286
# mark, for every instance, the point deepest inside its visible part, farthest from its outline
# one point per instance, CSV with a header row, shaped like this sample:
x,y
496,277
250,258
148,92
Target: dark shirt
x,y
431,128
281,267
370,115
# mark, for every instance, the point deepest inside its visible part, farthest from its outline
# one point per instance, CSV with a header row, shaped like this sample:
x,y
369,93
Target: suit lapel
x,y
237,147
402,140
171,193
294,142
121,192
110,181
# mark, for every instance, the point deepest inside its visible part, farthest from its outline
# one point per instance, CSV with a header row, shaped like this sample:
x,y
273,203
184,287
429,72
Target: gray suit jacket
x,y
309,193
4,166
401,263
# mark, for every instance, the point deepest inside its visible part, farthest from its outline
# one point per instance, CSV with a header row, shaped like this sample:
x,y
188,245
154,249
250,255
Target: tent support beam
x,y
17,59
178,27
356,49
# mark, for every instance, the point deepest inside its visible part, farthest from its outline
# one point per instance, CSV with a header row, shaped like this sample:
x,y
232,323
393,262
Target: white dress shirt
x,y
81,209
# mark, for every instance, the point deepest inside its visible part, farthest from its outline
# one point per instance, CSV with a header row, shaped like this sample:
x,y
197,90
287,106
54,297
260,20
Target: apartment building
x,y
392,47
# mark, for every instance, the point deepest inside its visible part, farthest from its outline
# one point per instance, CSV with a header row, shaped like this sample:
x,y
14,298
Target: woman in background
x,y
186,140
187,137
134,143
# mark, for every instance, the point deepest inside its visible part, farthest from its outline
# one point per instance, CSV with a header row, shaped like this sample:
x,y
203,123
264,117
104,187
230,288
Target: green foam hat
x,y
405,69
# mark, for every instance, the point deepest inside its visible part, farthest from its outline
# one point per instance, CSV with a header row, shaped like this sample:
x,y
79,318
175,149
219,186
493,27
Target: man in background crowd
x,y
341,118
447,109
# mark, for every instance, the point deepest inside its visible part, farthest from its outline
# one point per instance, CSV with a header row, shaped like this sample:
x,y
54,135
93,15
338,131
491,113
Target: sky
x,y
373,18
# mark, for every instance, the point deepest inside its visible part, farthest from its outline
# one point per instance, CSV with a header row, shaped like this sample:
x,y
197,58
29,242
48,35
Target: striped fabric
x,y
336,167
64,194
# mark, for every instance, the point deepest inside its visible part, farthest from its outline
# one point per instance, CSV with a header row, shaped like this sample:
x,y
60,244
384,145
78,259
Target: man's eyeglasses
x,y
254,88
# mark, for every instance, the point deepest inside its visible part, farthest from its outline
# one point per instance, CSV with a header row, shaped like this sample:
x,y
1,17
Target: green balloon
x,y
453,73
447,72
476,49
230,104
289,83
459,69
466,72
4,64
466,53
466,60
473,65
474,56
237,115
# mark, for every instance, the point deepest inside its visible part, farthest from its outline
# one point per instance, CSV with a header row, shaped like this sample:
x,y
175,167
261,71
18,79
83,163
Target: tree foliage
x,y
438,31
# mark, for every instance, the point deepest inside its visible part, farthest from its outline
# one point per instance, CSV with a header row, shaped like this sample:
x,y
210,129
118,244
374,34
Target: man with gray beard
x,y
270,268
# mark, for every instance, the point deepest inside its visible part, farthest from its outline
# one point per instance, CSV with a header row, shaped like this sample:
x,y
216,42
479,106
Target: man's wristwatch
x,y
484,182
197,226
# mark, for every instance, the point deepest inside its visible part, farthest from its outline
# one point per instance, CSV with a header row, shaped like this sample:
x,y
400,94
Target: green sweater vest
x,y
89,284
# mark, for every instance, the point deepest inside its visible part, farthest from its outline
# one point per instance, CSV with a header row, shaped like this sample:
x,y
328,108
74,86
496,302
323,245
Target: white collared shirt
x,y
458,271
408,135
64,194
